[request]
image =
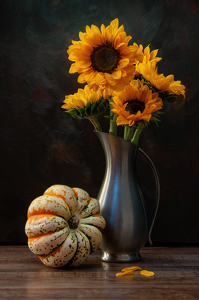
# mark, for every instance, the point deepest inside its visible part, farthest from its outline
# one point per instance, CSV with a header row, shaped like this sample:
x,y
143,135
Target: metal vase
x,y
121,202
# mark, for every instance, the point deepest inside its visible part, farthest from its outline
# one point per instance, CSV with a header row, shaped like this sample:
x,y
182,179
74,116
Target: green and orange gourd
x,y
64,226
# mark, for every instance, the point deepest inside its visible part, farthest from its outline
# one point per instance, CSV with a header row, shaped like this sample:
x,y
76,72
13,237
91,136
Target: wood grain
x,y
23,276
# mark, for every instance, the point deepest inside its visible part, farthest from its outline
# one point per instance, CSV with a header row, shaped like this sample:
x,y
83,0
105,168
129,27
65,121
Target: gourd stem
x,y
73,222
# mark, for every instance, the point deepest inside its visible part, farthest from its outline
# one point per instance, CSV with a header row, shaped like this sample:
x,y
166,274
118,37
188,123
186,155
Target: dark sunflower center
x,y
105,58
134,106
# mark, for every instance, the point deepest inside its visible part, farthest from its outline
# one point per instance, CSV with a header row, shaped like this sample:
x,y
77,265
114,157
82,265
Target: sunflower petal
x,y
115,23
123,63
125,273
117,74
86,49
147,273
134,268
110,79
73,69
81,78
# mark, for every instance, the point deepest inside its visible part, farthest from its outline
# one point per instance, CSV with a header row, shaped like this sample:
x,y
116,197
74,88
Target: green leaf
x,y
161,94
88,109
81,111
108,43
171,98
110,99
109,117
94,108
107,105
73,113
156,117
101,108
146,123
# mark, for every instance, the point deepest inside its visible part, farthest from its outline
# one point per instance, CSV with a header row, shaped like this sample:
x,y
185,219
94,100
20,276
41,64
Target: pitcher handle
x,y
157,192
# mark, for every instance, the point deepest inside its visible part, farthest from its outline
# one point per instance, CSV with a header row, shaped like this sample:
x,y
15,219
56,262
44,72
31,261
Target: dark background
x,y
40,145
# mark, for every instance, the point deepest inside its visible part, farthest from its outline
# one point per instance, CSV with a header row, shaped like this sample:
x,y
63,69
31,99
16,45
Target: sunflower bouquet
x,y
120,80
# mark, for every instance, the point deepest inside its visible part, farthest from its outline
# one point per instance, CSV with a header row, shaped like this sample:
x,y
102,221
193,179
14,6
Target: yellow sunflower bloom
x,y
148,56
88,104
103,58
135,103
159,81
82,98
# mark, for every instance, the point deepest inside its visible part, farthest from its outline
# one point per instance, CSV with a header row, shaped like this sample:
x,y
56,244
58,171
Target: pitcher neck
x,y
117,147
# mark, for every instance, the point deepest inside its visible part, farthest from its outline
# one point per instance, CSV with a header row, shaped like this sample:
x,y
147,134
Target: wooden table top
x,y
23,276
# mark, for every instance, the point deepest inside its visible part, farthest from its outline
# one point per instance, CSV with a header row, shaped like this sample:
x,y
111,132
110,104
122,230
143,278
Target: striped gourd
x,y
64,226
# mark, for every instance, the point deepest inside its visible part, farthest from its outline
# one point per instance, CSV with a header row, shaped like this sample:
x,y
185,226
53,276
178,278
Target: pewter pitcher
x,y
121,201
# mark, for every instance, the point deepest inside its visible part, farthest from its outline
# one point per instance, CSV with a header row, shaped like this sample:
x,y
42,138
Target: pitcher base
x,y
112,257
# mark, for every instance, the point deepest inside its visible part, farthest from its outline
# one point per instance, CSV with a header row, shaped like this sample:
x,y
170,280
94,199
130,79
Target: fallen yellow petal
x,y
119,274
130,272
133,268
147,273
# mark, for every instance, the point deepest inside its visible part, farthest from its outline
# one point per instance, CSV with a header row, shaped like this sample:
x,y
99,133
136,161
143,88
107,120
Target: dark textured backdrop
x,y
41,145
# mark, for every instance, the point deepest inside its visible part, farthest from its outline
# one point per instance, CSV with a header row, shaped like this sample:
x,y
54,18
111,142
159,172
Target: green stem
x,y
128,132
96,124
137,133
131,132
113,125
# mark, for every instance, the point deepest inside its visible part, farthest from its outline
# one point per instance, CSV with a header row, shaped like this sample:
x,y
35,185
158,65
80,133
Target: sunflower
x,y
86,103
159,81
135,103
148,56
103,58
82,98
